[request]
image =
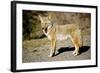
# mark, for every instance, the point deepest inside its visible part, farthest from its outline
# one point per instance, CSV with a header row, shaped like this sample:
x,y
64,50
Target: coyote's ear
x,y
40,17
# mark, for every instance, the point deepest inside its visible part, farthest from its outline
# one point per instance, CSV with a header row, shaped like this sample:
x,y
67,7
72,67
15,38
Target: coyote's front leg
x,y
53,48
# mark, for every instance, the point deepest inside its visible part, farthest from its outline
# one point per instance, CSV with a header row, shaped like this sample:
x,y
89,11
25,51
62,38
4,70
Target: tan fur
x,y
56,33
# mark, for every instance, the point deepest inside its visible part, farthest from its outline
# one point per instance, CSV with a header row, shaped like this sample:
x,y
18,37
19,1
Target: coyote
x,y
55,32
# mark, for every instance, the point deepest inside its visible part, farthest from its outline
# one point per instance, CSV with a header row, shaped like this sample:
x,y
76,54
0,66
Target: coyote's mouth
x,y
45,29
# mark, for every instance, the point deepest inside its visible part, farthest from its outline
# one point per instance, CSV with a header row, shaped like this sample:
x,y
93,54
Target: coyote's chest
x,y
59,37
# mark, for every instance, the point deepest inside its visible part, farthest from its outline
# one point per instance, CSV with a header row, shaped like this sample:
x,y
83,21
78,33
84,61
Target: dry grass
x,y
35,43
86,31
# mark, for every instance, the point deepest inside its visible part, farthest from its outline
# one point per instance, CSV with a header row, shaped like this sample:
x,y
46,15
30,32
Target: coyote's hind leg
x,y
75,42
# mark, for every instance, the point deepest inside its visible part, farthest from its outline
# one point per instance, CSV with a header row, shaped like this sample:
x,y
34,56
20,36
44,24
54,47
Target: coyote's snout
x,y
56,32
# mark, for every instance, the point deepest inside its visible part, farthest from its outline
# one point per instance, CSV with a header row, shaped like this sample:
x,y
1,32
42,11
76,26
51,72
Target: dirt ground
x,y
32,52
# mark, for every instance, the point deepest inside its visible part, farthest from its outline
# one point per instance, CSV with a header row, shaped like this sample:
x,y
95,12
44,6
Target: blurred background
x,y
32,27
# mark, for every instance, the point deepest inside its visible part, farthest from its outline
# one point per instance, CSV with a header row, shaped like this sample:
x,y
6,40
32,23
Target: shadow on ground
x,y
65,49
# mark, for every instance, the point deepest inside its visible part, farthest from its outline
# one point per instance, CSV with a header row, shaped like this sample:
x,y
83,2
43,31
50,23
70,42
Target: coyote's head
x,y
45,21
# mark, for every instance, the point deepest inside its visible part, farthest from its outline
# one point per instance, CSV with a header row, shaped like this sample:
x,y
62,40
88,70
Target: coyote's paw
x,y
75,53
51,55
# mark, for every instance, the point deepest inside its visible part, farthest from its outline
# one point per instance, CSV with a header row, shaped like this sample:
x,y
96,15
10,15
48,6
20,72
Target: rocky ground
x,y
32,52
